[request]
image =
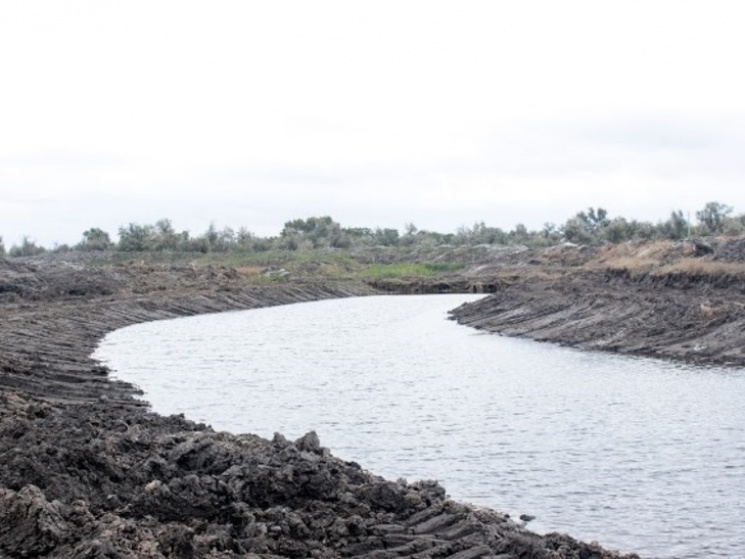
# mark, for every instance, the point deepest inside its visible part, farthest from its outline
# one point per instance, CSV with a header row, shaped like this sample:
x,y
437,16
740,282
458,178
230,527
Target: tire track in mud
x,y
692,321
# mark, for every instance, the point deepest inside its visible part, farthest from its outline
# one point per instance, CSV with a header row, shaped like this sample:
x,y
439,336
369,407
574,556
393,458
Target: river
x,y
639,454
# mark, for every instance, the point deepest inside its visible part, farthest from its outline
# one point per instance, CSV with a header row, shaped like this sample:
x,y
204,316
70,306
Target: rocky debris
x,y
86,471
96,480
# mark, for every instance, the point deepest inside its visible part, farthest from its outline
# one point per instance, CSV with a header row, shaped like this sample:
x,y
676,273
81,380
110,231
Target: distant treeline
x,y
586,227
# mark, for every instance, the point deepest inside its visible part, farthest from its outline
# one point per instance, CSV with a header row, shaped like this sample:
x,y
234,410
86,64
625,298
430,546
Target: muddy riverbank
x,y
671,316
53,315
683,301
87,471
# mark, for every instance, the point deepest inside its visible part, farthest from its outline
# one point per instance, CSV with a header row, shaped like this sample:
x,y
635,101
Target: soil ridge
x,y
676,316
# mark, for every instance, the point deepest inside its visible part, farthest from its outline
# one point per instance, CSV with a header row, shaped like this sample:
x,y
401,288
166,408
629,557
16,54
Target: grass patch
x,y
693,267
410,269
702,268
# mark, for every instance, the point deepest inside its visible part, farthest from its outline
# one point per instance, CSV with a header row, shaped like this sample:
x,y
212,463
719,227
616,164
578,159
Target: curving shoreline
x,y
87,471
674,317
56,316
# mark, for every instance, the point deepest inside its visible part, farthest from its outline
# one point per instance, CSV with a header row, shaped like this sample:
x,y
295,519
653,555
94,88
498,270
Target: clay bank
x,y
87,471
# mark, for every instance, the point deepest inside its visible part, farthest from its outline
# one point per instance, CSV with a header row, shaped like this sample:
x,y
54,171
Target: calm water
x,y
639,454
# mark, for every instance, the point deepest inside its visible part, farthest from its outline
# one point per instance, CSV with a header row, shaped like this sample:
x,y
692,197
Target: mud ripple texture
x,y
678,317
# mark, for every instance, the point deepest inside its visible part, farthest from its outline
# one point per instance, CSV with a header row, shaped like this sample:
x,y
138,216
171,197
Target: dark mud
x,y
679,317
88,471
100,480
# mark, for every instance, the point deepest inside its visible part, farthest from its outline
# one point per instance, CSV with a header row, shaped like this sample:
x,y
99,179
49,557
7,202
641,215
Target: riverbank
x,y
679,317
681,301
55,314
87,471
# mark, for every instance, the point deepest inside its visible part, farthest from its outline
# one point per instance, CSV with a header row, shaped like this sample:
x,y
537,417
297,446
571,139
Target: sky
x,y
377,113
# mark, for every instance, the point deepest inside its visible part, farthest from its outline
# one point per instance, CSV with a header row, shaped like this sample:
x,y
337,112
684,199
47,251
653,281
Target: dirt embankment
x,y
680,301
679,318
54,315
95,480
86,471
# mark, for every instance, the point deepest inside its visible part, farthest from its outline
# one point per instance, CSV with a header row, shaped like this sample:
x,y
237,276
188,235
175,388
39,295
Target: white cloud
x,y
378,113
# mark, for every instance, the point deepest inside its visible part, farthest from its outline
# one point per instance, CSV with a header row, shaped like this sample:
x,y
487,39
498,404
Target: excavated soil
x,y
674,316
87,471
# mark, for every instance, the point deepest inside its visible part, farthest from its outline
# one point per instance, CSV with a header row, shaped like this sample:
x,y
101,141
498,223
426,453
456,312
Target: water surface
x,y
639,454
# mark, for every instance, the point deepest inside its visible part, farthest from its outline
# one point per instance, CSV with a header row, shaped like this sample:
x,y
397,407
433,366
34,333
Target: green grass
x,y
410,269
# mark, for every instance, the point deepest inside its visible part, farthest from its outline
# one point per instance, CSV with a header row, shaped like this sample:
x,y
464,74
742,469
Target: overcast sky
x,y
378,113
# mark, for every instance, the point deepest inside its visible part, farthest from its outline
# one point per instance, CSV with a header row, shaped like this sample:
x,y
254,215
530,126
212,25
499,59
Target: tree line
x,y
592,226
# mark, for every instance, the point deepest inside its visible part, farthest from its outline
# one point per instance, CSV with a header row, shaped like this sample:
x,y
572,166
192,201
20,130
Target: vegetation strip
x,y
304,236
